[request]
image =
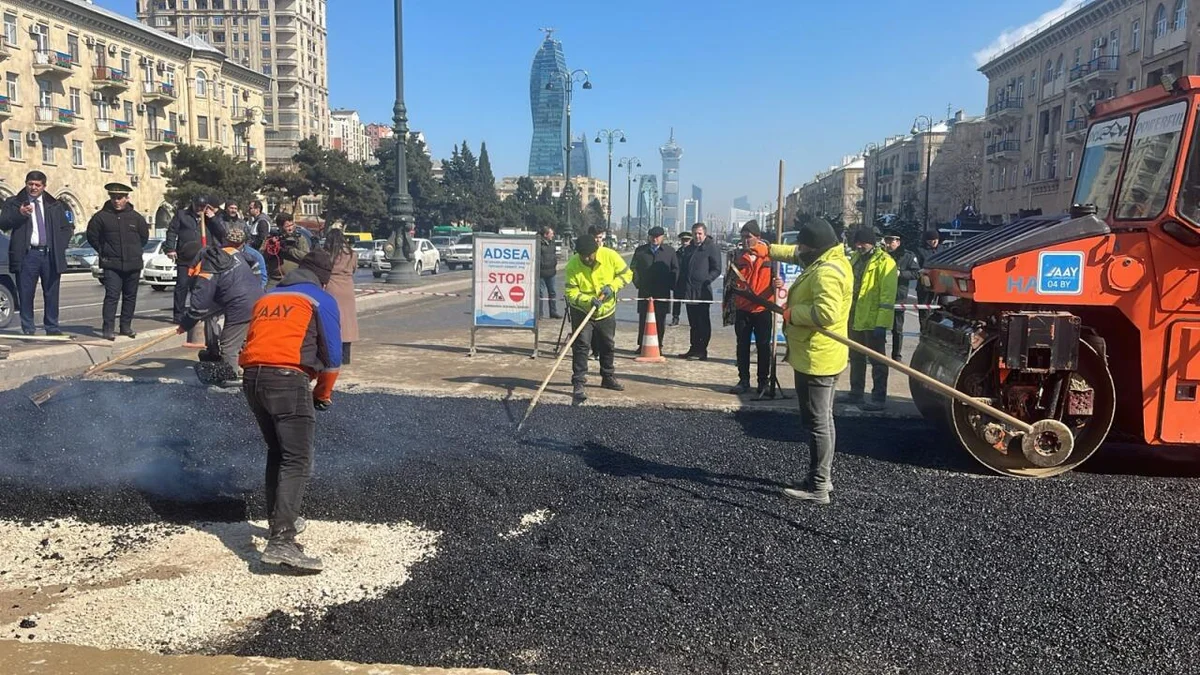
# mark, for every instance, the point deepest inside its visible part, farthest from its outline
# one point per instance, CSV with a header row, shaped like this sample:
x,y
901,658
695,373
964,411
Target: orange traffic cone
x,y
650,350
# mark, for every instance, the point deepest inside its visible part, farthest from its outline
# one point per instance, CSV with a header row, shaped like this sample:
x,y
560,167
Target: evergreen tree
x,y
426,192
526,194
196,171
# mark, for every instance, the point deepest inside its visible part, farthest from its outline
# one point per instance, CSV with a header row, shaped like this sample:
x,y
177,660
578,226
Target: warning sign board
x,y
505,277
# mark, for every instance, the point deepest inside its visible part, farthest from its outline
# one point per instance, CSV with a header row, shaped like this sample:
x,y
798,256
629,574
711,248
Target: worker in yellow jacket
x,y
593,280
872,316
819,298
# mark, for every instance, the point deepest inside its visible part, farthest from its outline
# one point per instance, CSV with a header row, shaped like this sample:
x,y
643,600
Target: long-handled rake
x,y
46,394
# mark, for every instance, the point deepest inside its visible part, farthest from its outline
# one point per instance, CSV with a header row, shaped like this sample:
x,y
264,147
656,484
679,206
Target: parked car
x,y
442,243
365,251
158,270
427,260
80,254
152,248
462,253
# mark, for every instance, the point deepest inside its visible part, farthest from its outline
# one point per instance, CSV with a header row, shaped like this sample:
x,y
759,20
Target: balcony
x,y
52,63
912,167
884,173
115,129
242,117
158,91
1099,73
287,57
1168,41
1076,129
5,108
1005,108
3,49
248,153
1004,151
104,77
286,24
159,138
49,118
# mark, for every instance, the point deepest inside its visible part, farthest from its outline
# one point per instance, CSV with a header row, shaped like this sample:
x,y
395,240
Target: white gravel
x,y
179,588
528,521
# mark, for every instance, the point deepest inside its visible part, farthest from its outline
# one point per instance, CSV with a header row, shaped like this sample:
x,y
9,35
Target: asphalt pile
x,y
627,540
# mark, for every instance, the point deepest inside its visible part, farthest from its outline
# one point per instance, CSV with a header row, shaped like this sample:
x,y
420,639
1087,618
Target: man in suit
x,y
39,227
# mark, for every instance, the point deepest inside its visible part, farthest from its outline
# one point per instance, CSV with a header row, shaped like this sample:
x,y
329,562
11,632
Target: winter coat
x,y
699,267
284,253
924,253
184,229
59,228
585,283
118,237
222,282
257,263
655,274
547,257
260,229
908,269
874,304
341,287
755,266
820,297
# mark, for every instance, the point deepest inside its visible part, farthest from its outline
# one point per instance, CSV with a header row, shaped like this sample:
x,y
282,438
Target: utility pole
x,y
611,135
400,206
568,81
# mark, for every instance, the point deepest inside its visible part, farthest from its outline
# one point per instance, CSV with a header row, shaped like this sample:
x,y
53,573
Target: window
x,y
1114,43
155,168
1079,54
48,150
1058,72
266,69
126,65
1049,71
266,37
1029,127
105,158
131,161
73,47
265,21
74,98
201,84
129,112
266,54
1160,21
10,29
45,94
77,153
1132,84
14,145
202,127
14,87
1151,161
1101,161
41,36
1180,15
1135,35
1070,168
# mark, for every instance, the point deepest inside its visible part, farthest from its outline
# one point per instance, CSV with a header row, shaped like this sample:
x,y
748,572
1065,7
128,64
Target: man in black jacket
x,y
655,273
119,234
932,239
183,231
685,249
547,269
259,226
700,268
908,268
40,227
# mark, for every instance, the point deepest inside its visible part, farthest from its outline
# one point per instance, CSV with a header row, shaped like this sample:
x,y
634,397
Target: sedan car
x,y
80,254
427,260
153,248
365,251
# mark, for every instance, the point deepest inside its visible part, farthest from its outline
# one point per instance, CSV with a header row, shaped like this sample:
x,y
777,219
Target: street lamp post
x,y
568,81
629,164
928,157
613,135
400,206
868,150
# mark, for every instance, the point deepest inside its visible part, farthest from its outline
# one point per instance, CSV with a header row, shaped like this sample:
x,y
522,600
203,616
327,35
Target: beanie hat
x,y
931,235
319,263
236,236
751,227
586,245
817,234
864,235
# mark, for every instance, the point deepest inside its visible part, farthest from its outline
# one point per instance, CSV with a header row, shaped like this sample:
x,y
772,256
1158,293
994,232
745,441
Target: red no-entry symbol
x,y
516,294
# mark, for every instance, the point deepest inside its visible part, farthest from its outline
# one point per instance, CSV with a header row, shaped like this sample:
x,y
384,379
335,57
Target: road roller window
x,y
1151,162
1189,191
1097,180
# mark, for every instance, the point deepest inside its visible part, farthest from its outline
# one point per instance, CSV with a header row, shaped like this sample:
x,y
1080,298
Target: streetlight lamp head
x,y
597,139
549,85
587,84
622,138
915,130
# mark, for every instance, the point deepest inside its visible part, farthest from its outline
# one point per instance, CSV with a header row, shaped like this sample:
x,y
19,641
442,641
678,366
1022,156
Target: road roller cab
x,y
1092,317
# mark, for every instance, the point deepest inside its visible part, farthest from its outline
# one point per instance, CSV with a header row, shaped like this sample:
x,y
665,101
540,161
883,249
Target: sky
x,y
743,84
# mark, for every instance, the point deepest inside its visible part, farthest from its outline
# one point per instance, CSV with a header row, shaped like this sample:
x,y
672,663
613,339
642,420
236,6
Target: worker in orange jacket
x,y
295,336
752,319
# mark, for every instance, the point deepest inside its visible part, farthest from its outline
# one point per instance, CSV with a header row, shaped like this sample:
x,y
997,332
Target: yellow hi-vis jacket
x,y
820,296
584,283
877,292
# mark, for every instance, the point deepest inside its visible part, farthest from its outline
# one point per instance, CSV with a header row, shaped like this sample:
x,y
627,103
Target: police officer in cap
x,y
119,235
908,267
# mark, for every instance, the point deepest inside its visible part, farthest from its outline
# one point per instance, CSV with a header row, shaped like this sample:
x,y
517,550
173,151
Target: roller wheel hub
x,y
1050,443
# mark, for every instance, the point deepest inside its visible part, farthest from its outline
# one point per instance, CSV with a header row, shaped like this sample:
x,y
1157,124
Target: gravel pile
x,y
669,549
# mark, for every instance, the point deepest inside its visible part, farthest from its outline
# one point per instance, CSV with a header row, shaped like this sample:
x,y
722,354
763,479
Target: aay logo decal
x,y
1060,273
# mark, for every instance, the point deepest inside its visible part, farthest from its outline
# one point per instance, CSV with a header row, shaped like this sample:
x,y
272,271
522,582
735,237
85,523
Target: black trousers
x,y
661,309
183,286
601,333
898,335
758,326
283,407
122,286
858,365
924,297
37,265
700,322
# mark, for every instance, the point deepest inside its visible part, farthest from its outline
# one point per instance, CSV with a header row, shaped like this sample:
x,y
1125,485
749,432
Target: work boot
x,y
686,355
108,334
742,387
765,392
579,394
128,332
289,554
874,406
850,397
806,495
611,383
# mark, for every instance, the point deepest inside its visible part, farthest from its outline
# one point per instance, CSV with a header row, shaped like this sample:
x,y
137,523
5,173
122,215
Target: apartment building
x,y
897,170
348,134
283,39
1040,92
837,191
93,97
589,188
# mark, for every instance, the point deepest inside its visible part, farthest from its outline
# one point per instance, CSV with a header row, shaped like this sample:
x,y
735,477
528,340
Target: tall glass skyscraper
x,y
647,203
698,196
581,162
670,153
549,108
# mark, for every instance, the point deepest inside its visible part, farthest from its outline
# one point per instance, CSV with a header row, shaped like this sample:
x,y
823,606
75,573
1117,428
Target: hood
x,y
300,276
217,260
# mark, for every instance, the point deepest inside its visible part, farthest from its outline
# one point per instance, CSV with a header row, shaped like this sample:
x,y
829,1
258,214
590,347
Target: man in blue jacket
x,y
222,284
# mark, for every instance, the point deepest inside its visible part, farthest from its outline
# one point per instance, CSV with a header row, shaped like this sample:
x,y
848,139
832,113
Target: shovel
x,y
44,395
566,348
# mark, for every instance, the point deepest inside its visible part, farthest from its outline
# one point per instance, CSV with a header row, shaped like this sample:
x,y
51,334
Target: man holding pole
x,y
752,320
185,234
593,281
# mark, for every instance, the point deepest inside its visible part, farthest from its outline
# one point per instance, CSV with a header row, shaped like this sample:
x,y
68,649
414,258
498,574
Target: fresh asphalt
x,y
667,548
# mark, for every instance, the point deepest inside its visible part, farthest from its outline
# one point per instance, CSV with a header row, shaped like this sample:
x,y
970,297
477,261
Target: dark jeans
x,y
546,290
858,365
898,335
660,320
283,407
599,332
183,286
815,394
758,326
38,265
121,286
700,322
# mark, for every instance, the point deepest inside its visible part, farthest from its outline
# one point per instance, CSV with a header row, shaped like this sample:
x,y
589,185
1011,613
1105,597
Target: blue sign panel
x,y
1060,273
